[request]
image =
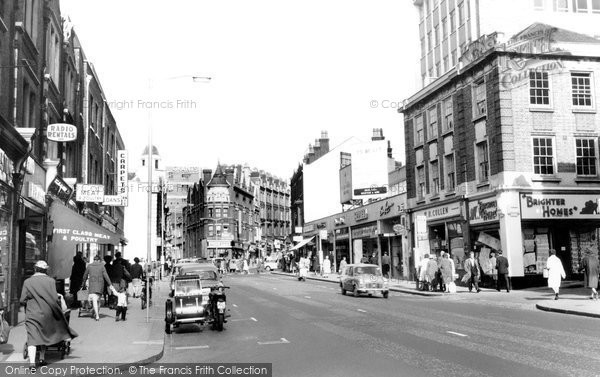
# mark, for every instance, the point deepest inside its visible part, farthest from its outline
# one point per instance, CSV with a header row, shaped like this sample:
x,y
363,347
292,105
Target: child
x,y
121,303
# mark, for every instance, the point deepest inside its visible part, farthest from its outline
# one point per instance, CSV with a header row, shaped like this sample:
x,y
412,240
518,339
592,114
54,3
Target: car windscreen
x,y
204,275
369,270
187,287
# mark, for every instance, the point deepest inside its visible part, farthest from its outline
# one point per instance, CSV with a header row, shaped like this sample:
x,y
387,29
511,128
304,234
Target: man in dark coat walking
x,y
502,267
77,276
45,322
589,264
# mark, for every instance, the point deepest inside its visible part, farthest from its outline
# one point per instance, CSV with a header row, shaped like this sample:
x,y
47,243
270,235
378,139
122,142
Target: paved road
x,y
310,329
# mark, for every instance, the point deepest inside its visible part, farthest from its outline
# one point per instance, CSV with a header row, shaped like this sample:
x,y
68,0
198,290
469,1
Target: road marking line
x,y
191,347
362,311
281,341
254,319
456,333
306,296
274,288
148,342
235,306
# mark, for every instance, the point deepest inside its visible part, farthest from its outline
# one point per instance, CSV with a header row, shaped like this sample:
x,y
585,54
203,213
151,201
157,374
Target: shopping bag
x,y
82,295
452,287
4,331
545,273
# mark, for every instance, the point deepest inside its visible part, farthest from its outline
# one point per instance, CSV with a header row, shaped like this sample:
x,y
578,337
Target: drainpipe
x,y
19,28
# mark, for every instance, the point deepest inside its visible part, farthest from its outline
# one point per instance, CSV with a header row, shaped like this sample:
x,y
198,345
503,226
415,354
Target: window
x,y
444,28
434,172
561,5
450,170
446,64
581,85
448,115
429,45
211,231
543,160
30,22
217,212
155,164
436,34
479,99
483,165
539,88
581,6
432,129
143,162
461,13
421,187
453,57
452,21
586,157
538,4
210,212
423,47
419,137
595,6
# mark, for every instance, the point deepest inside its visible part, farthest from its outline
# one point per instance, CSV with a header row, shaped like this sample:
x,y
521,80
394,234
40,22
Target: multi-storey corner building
x,y
447,27
503,152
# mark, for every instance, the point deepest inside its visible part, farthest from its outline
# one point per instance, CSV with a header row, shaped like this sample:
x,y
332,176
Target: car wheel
x,y
268,269
356,294
385,294
343,290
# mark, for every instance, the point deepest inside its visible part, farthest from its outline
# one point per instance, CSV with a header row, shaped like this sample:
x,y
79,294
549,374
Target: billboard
x,y
346,184
370,170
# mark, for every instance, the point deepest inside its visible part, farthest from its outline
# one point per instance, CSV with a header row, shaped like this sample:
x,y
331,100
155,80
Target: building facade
x,y
503,154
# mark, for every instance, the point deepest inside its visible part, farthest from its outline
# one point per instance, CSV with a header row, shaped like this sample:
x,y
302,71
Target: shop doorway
x,y
562,245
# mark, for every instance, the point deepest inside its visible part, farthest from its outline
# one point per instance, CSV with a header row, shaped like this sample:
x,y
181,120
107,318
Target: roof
x,y
219,178
154,151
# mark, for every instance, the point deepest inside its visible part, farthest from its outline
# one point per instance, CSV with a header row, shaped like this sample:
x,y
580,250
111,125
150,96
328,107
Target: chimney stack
x,y
206,176
324,142
377,134
389,149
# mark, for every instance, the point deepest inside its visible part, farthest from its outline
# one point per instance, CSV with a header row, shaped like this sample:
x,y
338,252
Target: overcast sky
x,y
281,71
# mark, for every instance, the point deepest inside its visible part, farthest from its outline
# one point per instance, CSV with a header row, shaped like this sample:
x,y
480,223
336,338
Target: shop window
x,y
543,156
539,88
448,115
421,186
452,17
450,170
483,165
581,6
479,99
561,5
432,130
581,84
595,6
419,136
586,157
211,231
434,172
461,13
538,4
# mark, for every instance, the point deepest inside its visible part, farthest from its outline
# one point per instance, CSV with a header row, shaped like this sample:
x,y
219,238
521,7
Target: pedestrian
x,y
343,265
326,266
502,272
555,272
589,264
245,267
119,276
385,264
447,270
423,272
45,321
491,267
76,279
96,272
431,272
121,307
473,271
232,266
108,266
137,274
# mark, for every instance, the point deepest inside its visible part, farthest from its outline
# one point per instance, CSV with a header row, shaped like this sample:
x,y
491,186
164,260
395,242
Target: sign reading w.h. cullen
x,y
560,206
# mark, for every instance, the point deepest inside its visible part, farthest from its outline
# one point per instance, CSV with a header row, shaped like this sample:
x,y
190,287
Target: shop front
x,y
484,232
365,243
342,245
440,228
6,196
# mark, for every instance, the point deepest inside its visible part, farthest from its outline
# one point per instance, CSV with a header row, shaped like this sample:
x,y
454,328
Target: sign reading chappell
x,y
61,132
89,193
122,179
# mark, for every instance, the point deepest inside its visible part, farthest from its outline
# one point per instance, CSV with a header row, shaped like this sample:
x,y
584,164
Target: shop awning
x,y
302,243
69,229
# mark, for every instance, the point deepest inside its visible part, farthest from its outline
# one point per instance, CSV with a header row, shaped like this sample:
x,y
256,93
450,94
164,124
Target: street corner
x,y
580,306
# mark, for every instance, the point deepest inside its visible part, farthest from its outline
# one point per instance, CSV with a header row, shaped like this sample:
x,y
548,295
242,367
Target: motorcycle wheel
x,y
168,329
219,321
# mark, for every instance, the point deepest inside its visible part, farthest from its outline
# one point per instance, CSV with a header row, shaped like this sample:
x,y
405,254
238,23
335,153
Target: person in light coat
x,y
423,271
326,266
556,272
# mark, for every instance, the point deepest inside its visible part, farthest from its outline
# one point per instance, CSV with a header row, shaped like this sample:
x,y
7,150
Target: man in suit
x,y
472,267
502,267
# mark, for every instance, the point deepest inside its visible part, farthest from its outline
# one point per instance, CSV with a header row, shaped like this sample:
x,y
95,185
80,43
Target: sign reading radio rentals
x,y
557,206
122,179
61,132
483,211
89,193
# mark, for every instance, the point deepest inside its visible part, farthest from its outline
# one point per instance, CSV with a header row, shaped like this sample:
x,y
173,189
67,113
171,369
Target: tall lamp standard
x,y
150,154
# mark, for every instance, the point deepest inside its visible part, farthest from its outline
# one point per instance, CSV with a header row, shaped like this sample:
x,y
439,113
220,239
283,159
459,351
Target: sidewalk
x,y
574,299
105,341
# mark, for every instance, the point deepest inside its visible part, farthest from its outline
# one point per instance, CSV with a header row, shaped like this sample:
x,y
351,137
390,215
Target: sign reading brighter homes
x,y
61,132
122,179
556,206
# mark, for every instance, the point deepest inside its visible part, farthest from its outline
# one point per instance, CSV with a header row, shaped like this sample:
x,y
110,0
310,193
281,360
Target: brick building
x,y
502,152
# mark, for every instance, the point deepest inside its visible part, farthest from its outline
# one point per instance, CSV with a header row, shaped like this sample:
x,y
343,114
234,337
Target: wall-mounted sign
x,y
323,234
361,214
61,132
60,189
219,244
122,178
370,191
113,200
36,192
483,211
435,213
309,228
297,238
369,231
6,168
89,193
557,206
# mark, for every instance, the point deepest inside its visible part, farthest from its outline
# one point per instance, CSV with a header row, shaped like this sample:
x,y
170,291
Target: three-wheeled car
x,y
198,297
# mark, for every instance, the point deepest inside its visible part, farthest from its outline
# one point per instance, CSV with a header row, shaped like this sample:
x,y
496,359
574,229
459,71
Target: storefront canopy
x,y
302,243
69,229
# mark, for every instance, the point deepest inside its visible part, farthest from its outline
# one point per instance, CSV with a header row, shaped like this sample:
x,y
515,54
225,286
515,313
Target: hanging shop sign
x,y
483,211
122,178
61,132
89,193
6,168
560,206
113,200
60,189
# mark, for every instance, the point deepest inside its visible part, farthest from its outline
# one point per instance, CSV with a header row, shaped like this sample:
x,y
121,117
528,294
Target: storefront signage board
x,y
89,193
361,214
36,192
560,206
60,189
441,212
122,178
369,231
483,211
214,244
61,132
113,200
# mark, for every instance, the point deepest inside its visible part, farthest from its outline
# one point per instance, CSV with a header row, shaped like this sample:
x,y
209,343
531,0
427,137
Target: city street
x,y
310,329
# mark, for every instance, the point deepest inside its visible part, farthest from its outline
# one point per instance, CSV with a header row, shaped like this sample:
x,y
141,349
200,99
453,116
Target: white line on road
x,y
362,311
281,341
456,333
235,306
306,296
274,288
148,342
254,319
191,347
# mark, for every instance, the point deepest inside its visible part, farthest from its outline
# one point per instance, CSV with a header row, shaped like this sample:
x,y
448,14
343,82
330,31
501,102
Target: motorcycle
x,y
218,307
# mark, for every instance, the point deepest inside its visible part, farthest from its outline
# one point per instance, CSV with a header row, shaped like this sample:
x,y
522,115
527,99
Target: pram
x,y
64,347
85,306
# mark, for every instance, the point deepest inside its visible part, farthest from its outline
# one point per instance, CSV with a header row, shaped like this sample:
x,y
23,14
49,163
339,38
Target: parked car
x,y
271,264
363,278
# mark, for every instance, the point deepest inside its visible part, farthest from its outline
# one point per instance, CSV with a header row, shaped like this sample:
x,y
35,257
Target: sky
x,y
281,72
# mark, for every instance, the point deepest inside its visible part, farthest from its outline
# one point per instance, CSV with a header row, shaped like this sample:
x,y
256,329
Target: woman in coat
x,y
76,278
555,272
447,269
589,265
98,276
45,322
432,269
